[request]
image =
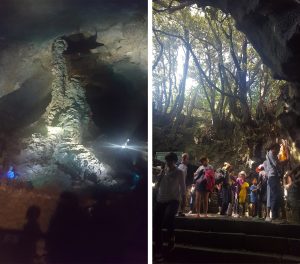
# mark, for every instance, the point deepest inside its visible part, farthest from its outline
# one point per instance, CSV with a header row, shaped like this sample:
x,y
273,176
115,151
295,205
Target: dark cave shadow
x,y
109,231
20,246
39,23
30,236
118,101
116,94
24,106
66,237
87,227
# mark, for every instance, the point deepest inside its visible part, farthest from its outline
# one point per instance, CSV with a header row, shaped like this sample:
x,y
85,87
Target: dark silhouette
x,y
67,231
30,236
113,229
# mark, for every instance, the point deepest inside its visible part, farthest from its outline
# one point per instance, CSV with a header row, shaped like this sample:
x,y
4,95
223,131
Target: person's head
x,y
171,159
185,158
242,175
274,147
227,166
204,161
254,181
33,213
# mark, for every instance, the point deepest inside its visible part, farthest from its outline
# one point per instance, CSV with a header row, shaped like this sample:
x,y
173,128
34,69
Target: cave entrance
x,y
117,101
214,97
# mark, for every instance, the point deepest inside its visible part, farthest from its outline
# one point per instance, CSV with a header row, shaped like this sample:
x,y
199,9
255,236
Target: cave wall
x,y
273,29
44,109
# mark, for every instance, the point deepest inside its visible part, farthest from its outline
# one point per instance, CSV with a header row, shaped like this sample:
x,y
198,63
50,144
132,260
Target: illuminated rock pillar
x,y
61,151
69,112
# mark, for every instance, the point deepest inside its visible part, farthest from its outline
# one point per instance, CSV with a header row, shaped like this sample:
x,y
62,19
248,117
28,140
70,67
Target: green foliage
x,y
227,85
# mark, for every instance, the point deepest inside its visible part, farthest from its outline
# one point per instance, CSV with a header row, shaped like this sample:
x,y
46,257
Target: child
x,y
236,187
262,192
253,198
201,180
243,192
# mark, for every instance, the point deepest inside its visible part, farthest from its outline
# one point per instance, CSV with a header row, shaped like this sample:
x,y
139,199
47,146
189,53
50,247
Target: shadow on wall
x,y
23,246
108,227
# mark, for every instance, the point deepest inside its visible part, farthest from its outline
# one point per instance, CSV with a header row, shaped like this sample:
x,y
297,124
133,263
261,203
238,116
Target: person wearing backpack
x,y
225,192
204,181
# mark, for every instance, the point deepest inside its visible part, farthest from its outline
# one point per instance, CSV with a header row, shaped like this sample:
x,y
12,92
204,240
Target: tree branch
x,y
160,52
198,64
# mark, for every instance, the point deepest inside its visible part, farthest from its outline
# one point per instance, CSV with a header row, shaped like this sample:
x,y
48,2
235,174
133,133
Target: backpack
x,y
219,176
209,175
200,177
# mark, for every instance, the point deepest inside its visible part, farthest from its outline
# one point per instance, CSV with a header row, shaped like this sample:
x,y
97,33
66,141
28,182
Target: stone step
x,y
239,241
237,225
192,254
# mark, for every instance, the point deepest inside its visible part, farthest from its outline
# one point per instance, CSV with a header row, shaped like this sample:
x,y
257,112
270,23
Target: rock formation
x,y
56,95
66,117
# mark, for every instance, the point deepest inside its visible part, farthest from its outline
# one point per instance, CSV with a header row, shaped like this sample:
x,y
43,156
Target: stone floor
x,y
240,218
221,239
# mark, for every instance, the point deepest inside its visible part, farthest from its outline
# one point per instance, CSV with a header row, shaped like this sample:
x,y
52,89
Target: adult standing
x,y
183,166
171,187
201,191
226,190
274,174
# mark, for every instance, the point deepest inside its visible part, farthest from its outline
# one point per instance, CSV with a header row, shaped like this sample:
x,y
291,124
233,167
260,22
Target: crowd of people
x,y
260,194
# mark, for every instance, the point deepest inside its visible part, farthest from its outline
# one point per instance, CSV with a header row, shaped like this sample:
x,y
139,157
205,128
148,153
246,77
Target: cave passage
x,y
118,106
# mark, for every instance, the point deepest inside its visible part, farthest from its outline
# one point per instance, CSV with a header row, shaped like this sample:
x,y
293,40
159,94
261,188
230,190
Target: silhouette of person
x,y
65,237
30,236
